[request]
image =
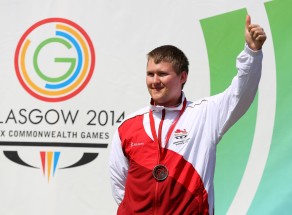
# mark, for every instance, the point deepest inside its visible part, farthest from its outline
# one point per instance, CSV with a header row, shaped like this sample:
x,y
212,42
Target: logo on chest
x,y
180,137
136,144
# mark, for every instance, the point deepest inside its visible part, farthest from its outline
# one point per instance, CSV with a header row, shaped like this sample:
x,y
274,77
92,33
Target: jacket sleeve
x,y
118,169
237,98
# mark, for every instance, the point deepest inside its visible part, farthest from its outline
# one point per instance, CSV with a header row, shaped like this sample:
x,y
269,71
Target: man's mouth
x,y
157,88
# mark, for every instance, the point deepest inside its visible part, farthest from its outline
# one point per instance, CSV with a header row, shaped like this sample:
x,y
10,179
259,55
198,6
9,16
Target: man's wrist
x,y
251,51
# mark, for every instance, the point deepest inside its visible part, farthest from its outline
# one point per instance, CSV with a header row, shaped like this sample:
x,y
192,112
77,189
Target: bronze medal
x,y
160,172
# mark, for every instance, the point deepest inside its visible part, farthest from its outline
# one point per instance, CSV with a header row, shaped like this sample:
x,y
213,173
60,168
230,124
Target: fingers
x,y
255,35
247,21
256,32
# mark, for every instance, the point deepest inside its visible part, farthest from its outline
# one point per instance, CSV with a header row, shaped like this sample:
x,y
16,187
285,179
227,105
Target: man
x,y
163,157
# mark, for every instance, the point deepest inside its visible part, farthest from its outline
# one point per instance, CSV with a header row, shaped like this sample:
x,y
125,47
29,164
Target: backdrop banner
x,y
71,71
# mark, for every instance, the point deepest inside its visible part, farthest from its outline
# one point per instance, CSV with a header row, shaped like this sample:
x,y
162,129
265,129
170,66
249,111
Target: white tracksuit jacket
x,y
190,153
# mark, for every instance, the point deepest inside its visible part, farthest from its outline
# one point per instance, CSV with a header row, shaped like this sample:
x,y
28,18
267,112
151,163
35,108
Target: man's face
x,y
164,85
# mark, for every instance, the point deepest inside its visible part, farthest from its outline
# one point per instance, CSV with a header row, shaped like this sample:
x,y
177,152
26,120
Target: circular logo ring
x,y
55,88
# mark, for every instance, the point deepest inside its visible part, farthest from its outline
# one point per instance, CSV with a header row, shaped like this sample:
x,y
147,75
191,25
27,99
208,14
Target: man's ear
x,y
184,77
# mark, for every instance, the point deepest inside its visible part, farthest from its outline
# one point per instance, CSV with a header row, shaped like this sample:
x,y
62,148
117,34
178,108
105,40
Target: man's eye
x,y
150,74
162,74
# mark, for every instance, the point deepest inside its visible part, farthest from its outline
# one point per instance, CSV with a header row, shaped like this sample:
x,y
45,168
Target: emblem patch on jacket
x,y
180,136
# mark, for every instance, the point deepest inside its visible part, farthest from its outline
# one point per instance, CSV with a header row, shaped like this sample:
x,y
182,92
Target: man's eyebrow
x,y
149,72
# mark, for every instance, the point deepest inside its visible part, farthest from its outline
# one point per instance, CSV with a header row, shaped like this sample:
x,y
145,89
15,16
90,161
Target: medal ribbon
x,y
170,130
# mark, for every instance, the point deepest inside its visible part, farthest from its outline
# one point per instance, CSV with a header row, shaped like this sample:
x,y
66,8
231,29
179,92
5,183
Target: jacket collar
x,y
158,108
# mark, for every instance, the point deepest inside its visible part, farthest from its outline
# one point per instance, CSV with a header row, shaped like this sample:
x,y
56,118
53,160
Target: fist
x,y
255,35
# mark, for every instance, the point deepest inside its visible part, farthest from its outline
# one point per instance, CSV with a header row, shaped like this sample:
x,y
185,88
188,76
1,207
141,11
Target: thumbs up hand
x,y
254,35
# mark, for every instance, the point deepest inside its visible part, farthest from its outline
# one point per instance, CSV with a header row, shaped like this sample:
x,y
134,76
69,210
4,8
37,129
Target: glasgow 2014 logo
x,y
54,59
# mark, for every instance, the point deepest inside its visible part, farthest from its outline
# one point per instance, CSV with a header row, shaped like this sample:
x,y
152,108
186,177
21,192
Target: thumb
x,y
247,21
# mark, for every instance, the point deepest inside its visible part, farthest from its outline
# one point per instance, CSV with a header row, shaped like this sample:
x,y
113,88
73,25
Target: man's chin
x,y
158,101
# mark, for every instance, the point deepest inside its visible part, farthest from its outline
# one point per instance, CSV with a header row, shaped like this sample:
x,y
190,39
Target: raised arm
x,y
237,98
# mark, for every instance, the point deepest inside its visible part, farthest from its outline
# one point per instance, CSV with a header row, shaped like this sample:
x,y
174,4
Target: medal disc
x,y
160,172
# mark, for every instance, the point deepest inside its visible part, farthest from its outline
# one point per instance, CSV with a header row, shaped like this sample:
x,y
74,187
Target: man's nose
x,y
156,79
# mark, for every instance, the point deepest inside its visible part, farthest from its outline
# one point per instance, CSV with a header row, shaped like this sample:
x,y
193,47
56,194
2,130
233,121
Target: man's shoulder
x,y
140,112
199,102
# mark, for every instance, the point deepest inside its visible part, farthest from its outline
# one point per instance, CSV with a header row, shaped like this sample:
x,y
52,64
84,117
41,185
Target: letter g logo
x,y
54,60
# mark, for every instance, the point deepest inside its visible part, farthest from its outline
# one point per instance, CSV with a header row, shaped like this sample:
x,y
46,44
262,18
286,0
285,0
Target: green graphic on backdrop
x,y
224,37
274,194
